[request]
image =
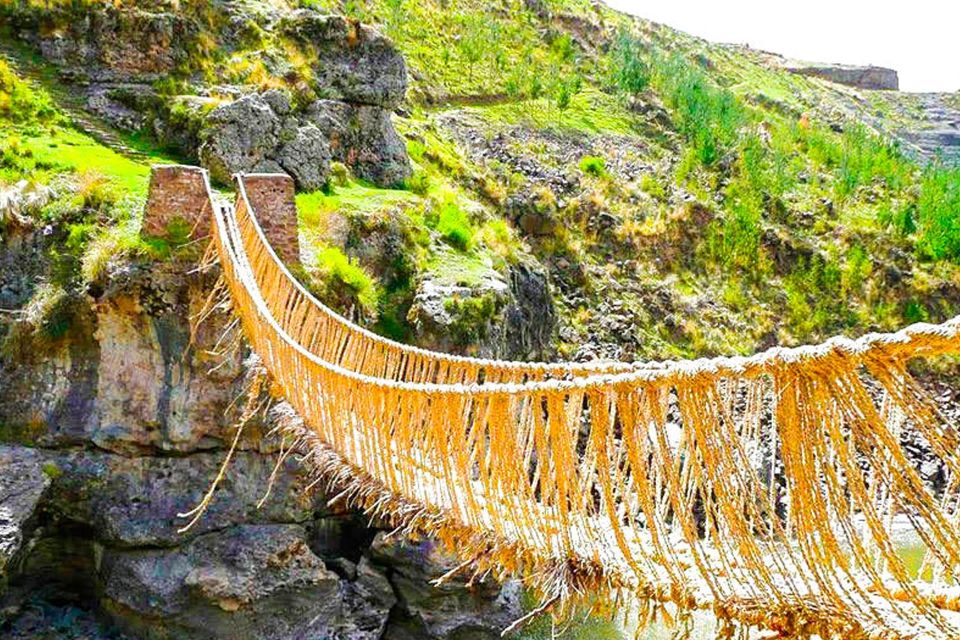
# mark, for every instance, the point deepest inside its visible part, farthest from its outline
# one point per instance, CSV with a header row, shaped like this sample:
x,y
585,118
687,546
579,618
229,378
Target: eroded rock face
x,y
513,320
241,136
355,63
120,52
22,484
136,502
138,441
452,610
870,77
259,133
362,137
122,376
248,581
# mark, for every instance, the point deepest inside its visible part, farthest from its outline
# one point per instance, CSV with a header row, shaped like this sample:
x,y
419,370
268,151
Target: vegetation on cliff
x,y
685,198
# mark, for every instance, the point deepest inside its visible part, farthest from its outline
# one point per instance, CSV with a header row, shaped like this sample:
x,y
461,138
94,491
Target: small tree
x,y
629,68
565,89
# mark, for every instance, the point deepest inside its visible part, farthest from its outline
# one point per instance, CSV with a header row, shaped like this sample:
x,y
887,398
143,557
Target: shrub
x,y
454,225
707,116
110,243
866,157
653,187
19,102
471,317
629,69
95,192
340,271
418,182
565,88
593,166
938,213
339,174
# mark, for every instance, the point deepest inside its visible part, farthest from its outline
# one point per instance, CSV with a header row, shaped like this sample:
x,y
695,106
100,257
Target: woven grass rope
x,y
767,489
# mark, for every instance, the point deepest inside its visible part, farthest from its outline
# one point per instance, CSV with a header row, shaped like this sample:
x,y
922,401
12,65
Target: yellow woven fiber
x,y
766,488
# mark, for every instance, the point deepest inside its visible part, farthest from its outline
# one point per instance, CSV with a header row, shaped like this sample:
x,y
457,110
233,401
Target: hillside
x,y
684,198
519,179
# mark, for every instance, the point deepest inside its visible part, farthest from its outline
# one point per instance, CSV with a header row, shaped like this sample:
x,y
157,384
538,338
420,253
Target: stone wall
x,y
179,196
272,197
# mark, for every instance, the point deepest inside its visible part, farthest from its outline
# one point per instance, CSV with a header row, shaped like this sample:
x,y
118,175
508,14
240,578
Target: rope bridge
x,y
768,489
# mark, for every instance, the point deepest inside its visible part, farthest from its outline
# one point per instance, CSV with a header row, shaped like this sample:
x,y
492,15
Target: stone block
x,y
271,195
178,202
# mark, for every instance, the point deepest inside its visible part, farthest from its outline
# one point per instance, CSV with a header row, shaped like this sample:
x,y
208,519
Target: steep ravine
x,y
113,428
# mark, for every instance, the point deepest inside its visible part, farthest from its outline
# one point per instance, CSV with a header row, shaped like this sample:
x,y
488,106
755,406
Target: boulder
x,y
513,320
529,319
240,136
259,133
22,485
455,318
113,42
248,581
362,137
135,502
354,62
366,603
479,611
306,158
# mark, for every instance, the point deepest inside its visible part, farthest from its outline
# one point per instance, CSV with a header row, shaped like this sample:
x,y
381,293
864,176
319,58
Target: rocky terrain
x,y
118,427
524,180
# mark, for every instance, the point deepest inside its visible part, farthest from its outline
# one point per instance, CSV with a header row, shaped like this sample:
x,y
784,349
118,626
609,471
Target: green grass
x,y
938,213
19,102
590,111
65,149
593,166
345,275
313,207
460,269
454,226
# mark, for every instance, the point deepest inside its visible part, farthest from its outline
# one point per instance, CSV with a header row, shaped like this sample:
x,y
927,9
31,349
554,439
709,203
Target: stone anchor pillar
x,y
271,196
178,202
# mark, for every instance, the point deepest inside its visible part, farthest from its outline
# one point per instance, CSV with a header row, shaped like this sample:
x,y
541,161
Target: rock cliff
x,y
138,66
117,424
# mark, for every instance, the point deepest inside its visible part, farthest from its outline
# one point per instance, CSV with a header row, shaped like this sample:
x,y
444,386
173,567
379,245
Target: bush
x,y
471,317
19,102
938,213
418,183
653,187
454,225
339,174
708,117
865,158
565,88
340,271
629,69
593,166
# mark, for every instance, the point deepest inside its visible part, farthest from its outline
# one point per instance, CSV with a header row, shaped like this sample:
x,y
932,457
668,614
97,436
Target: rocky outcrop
x,y
869,77
123,422
354,62
356,78
261,133
363,138
248,581
493,318
22,484
452,610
